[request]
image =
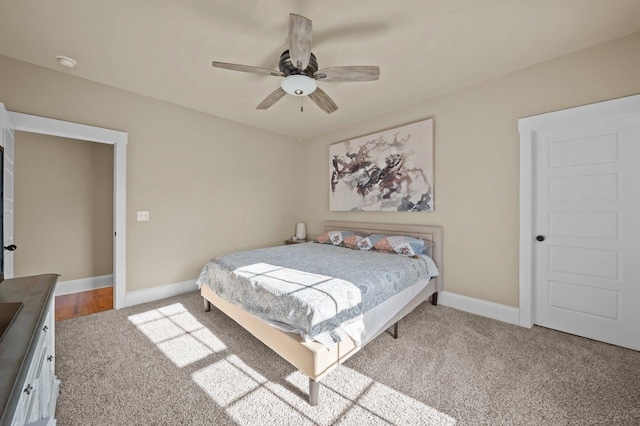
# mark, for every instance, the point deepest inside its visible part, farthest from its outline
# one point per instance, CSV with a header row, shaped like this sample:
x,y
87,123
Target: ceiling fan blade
x,y
247,68
345,74
274,97
299,40
320,98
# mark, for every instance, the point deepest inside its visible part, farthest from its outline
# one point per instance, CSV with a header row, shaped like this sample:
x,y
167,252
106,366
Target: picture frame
x,y
390,170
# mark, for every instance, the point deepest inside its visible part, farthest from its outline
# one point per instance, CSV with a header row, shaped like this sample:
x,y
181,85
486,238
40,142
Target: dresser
x,y
28,384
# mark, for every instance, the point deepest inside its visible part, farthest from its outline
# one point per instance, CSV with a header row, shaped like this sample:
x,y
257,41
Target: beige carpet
x,y
170,363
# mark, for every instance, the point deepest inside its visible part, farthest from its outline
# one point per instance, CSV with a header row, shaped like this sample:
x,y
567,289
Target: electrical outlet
x,y
143,216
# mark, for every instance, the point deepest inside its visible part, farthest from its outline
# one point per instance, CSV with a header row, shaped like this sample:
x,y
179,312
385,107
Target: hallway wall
x,y
64,207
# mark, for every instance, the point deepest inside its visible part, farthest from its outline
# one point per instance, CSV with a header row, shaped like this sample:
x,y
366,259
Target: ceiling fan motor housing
x,y
288,68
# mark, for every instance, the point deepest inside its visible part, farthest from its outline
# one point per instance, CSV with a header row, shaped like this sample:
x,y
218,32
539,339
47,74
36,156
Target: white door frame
x,y
5,123
527,127
66,129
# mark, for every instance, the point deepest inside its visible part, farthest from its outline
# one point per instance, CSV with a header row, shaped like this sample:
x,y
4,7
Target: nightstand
x,y
290,241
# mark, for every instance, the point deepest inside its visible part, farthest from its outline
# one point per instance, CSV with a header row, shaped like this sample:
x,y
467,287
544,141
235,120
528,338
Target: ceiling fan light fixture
x,y
299,85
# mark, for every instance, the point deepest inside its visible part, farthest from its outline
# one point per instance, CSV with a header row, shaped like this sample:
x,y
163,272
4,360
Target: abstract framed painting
x,y
390,170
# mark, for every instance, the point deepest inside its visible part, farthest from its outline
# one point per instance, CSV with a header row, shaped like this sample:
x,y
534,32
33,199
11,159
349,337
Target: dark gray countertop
x,y
18,345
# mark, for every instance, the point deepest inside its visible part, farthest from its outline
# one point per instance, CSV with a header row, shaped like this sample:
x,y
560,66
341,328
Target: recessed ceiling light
x,y
66,62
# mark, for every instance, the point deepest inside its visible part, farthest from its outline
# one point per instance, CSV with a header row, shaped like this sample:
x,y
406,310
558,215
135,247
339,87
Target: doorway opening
x,y
64,196
65,129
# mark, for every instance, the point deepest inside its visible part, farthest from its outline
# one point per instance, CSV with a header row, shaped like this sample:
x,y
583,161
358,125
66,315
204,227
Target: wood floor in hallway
x,y
84,303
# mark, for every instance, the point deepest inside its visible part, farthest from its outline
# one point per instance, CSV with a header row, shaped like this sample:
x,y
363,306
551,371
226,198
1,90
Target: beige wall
x,y
63,206
211,185
214,186
477,156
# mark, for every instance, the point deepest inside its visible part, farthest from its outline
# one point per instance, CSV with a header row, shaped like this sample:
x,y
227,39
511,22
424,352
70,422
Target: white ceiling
x,y
164,48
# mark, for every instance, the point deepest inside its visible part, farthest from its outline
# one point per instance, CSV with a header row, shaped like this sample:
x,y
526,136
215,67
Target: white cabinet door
x,y
48,376
587,209
7,140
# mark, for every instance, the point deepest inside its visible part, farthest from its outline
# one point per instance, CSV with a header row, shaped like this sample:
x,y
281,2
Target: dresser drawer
x,y
38,389
28,409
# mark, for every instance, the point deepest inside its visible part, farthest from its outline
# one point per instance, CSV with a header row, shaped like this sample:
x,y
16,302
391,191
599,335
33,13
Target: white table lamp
x,y
301,231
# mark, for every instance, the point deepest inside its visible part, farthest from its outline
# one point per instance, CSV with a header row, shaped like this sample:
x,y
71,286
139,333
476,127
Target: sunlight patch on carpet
x,y
263,408
345,395
228,380
400,409
184,350
373,400
178,334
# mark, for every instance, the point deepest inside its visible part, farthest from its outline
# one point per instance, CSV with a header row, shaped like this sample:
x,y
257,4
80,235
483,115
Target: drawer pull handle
x,y
50,358
29,389
45,328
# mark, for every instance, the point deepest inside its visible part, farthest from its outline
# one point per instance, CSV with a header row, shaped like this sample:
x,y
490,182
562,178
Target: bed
x,y
316,359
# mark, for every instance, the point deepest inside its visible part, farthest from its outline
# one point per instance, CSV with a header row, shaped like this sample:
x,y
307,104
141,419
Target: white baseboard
x,y
480,307
156,293
83,284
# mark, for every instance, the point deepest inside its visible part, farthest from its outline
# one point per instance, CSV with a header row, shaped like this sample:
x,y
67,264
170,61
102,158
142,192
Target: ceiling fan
x,y
299,68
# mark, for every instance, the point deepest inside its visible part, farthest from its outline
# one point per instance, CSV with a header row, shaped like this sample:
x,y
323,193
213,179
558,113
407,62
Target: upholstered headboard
x,y
430,233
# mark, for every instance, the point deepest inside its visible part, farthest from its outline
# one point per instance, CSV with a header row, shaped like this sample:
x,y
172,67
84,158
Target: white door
x,y
8,143
587,209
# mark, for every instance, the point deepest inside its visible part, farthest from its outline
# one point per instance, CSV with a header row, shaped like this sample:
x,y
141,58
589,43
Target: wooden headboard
x,y
430,233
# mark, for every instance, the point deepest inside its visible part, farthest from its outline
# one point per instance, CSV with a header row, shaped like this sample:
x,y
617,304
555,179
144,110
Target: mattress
x,y
375,318
379,279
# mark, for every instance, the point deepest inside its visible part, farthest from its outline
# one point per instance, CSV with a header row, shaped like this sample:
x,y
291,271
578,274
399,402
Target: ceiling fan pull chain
x,y
300,118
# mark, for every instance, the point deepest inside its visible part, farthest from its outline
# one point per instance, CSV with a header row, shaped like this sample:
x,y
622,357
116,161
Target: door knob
x,y
540,238
11,247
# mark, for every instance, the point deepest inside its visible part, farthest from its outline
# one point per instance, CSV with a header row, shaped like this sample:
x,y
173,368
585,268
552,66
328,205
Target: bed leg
x,y
207,305
434,299
395,330
314,389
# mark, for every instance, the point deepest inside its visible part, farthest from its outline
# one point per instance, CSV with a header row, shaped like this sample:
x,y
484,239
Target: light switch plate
x,y
143,216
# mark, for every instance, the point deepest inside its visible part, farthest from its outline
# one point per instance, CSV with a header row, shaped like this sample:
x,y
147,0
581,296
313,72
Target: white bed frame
x,y
311,358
